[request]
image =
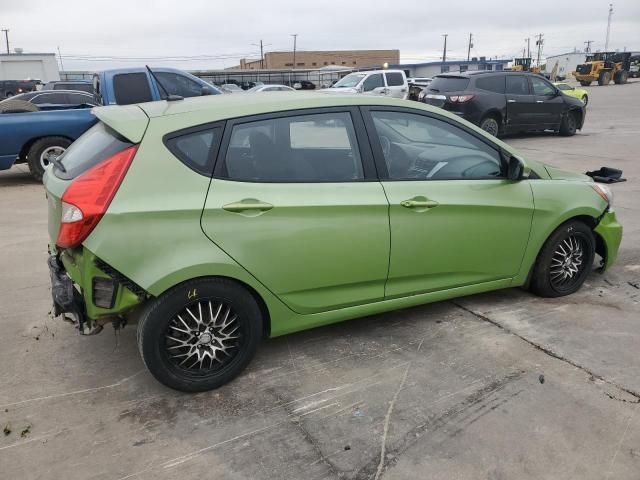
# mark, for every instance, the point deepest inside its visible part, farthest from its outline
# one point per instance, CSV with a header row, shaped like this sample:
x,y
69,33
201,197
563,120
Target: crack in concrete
x,y
548,351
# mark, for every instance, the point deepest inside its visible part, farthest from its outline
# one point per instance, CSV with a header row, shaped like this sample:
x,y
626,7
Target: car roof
x,y
53,92
475,73
220,107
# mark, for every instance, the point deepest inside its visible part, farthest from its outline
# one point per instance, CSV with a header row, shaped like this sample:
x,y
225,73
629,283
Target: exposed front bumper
x,y
610,231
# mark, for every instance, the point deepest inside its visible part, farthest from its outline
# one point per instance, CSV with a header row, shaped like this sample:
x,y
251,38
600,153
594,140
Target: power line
x,y
539,43
587,48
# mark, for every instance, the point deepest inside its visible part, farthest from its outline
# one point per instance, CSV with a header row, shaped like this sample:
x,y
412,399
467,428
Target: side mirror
x,y
516,169
205,91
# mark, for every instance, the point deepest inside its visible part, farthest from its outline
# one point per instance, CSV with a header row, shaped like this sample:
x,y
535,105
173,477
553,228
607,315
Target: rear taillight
x,y
87,198
460,98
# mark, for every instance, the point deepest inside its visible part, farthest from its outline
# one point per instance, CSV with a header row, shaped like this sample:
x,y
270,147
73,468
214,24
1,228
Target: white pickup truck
x,y
385,83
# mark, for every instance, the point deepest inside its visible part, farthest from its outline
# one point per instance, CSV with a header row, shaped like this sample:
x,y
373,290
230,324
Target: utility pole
x,y
261,52
606,44
528,47
470,46
444,53
6,37
60,57
587,48
295,38
539,43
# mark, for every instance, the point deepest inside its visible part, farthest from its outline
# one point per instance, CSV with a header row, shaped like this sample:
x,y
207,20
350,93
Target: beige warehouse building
x,y
321,58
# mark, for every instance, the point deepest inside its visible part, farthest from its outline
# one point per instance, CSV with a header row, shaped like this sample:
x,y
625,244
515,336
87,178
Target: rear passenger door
x,y
396,85
520,103
295,200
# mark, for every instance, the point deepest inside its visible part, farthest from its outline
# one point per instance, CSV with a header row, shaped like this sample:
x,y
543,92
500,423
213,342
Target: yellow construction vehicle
x,y
524,65
604,67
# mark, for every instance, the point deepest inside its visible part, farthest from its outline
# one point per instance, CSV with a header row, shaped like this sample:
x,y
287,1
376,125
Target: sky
x,y
200,34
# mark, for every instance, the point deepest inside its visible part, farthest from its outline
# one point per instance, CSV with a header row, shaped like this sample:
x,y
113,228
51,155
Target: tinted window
x,y
517,85
394,79
194,149
373,81
95,145
131,88
492,84
78,98
83,87
448,84
177,84
542,87
304,148
57,98
416,147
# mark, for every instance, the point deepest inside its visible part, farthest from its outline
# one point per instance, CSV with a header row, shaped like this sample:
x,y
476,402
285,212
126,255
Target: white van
x,y
386,83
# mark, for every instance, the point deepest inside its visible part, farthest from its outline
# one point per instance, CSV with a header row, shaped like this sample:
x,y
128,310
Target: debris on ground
x,y
25,431
7,429
541,378
634,285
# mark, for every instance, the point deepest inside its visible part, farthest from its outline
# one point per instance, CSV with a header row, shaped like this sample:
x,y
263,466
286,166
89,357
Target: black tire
x,y
490,125
8,95
17,106
621,77
604,78
585,83
585,100
544,277
162,355
40,148
569,124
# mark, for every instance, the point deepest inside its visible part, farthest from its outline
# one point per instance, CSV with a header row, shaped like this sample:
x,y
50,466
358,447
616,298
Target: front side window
x,y
416,147
541,87
517,85
177,84
373,81
304,148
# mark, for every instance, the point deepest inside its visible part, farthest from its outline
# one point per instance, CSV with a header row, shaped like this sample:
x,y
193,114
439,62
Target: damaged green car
x,y
216,222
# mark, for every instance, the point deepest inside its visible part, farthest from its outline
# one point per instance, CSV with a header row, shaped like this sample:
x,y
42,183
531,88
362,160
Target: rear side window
x,y
56,98
304,148
131,88
394,79
448,84
95,145
196,149
517,85
491,84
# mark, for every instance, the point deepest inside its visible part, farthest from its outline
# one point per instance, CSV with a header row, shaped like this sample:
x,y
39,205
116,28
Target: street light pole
x,y
295,38
606,44
6,37
444,53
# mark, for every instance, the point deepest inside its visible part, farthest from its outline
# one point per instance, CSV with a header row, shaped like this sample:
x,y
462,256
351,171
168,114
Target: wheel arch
x,y
29,143
495,113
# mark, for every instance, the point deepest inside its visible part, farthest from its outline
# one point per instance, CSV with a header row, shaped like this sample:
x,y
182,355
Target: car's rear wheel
x,y
200,334
565,260
43,152
604,78
569,124
585,100
490,125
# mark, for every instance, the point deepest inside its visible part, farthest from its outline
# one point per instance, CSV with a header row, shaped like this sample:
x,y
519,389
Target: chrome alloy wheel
x,y
567,263
50,154
204,337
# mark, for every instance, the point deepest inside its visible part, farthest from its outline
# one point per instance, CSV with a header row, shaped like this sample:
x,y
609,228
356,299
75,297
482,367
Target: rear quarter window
x,y
95,145
196,149
131,88
448,84
394,79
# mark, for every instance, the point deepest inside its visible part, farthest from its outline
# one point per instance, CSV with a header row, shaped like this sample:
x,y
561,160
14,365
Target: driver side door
x,y
374,85
455,219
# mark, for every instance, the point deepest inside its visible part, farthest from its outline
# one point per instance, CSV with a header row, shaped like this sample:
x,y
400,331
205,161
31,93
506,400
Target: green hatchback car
x,y
215,222
579,93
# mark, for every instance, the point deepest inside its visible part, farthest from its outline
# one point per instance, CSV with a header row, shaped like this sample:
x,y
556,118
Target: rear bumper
x,y
610,232
78,279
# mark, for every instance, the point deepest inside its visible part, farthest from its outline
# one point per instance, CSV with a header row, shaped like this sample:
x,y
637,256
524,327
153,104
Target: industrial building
x,y
429,69
25,66
321,58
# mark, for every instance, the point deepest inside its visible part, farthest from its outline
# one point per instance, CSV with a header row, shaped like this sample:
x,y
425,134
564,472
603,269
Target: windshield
x,y
350,81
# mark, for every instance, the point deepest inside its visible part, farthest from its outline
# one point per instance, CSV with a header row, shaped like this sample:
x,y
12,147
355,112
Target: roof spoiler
x,y
130,121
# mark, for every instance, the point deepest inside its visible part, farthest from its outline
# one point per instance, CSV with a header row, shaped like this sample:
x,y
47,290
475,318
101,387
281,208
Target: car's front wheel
x,y
200,334
569,124
585,100
565,260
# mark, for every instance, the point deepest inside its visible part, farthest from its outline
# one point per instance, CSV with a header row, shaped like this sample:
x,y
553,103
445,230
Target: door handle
x,y
539,101
511,101
247,204
415,203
